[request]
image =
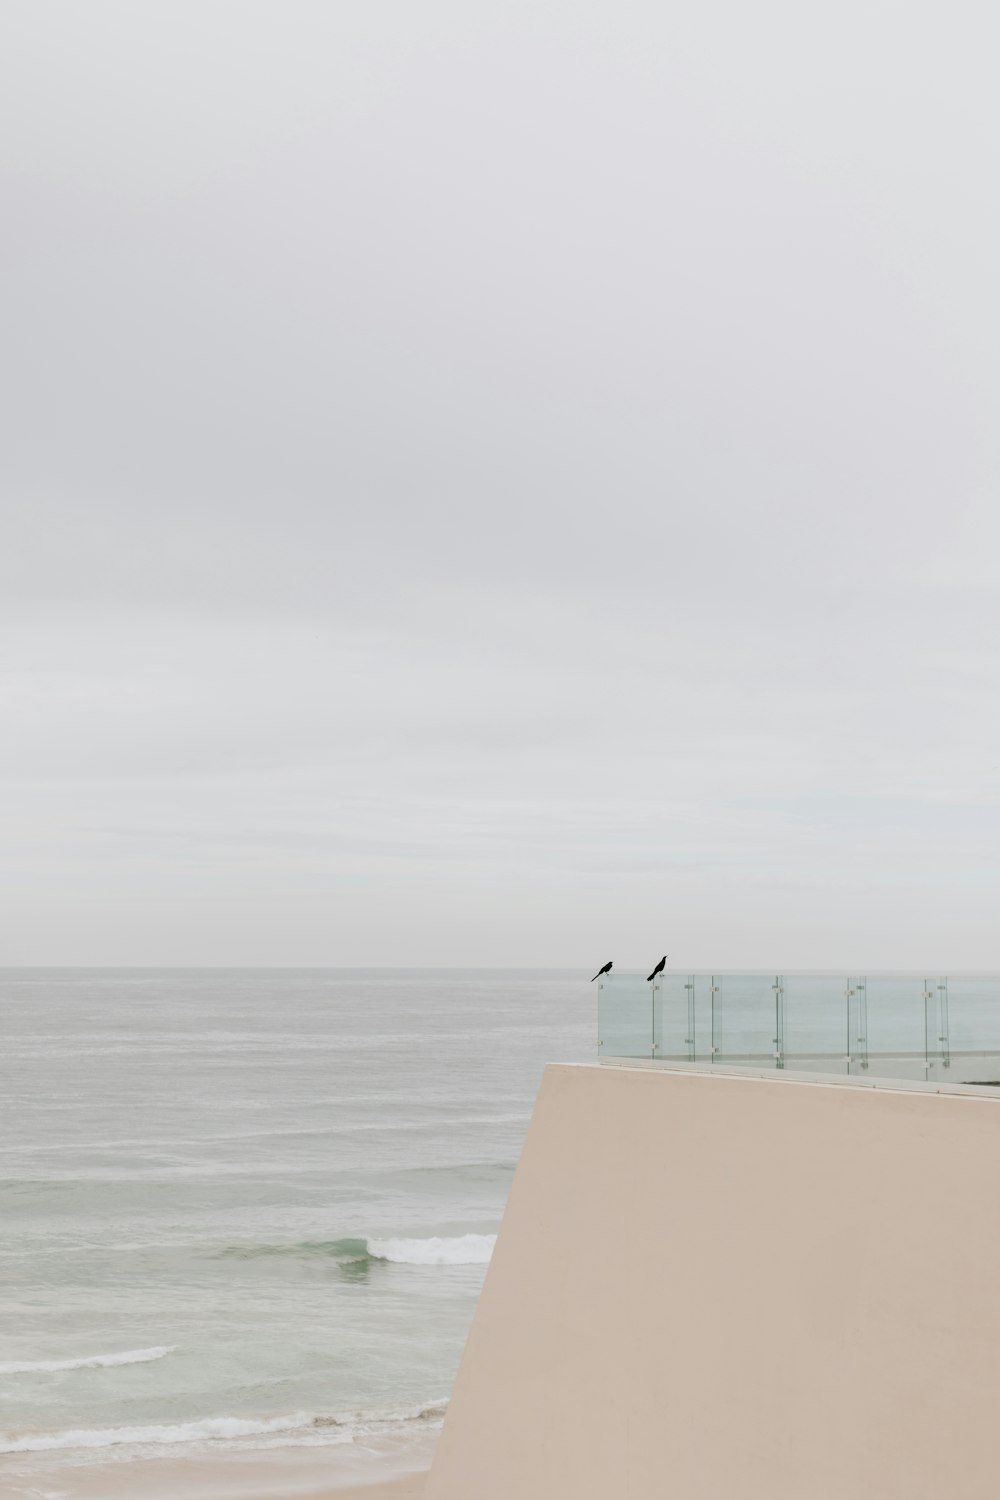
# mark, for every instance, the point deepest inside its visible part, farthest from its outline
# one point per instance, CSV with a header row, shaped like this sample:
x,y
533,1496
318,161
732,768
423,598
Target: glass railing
x,y
930,1028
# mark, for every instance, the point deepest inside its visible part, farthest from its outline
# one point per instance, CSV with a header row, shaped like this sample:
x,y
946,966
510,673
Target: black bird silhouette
x,y
605,970
659,968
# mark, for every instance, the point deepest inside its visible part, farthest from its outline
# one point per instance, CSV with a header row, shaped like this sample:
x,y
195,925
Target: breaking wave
x,y
88,1362
461,1250
354,1255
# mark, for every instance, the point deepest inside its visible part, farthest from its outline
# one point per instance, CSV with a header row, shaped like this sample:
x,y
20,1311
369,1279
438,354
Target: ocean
x,y
246,1214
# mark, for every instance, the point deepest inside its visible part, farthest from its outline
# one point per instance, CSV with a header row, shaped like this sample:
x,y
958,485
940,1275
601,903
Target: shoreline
x,y
411,1487
404,1487
123,1483
319,1473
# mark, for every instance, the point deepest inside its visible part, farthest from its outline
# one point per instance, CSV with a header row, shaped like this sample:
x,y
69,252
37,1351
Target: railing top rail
x,y
845,973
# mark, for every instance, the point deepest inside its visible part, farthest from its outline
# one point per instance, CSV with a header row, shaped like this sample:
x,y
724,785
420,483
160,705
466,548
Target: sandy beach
x,y
409,1488
192,1481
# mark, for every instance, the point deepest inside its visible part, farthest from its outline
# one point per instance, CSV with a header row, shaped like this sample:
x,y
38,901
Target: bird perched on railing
x,y
658,969
605,970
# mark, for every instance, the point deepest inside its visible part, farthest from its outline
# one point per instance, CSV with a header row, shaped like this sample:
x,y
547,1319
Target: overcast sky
x,y
500,483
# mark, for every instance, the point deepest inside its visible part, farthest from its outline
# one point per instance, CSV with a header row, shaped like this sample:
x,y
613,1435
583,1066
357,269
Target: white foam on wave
x,y
427,1411
373,1429
457,1250
240,1433
88,1361
180,1432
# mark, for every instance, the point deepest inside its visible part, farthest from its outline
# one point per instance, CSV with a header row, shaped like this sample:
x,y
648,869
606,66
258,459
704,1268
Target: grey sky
x,y
500,483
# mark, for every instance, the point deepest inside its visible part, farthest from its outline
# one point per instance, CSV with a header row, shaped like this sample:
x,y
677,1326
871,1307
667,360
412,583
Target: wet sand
x,y
126,1484
165,1479
410,1488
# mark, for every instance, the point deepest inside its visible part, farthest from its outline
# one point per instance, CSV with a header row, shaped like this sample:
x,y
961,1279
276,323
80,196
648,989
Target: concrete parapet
x,y
737,1289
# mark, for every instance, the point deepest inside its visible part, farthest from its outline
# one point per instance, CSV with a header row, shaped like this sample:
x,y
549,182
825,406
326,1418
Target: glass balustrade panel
x,y
703,1002
973,1016
815,1030
625,1016
937,1044
896,1027
746,1020
673,1017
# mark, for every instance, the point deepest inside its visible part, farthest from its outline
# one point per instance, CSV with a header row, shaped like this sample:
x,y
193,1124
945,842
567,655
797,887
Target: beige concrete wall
x,y
725,1288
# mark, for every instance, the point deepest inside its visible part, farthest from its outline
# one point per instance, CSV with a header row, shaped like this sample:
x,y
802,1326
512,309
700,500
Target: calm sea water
x,y
253,1208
